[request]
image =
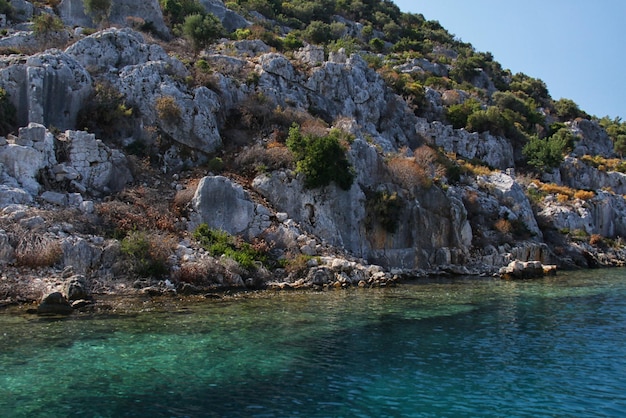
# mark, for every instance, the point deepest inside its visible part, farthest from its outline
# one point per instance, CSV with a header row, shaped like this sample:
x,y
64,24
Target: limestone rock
x,y
225,205
54,304
494,151
47,88
123,13
522,270
28,154
578,175
76,288
230,20
592,139
117,48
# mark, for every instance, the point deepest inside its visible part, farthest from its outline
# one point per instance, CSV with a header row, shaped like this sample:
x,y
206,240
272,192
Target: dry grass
x,y
37,250
257,158
140,208
408,173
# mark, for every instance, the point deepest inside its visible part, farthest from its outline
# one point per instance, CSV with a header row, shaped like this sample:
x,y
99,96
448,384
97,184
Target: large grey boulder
x,y
225,205
47,88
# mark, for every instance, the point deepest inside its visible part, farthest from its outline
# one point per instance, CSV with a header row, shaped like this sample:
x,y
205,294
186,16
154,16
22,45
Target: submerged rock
x,y
54,304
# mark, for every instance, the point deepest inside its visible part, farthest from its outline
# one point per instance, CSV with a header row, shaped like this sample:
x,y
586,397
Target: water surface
x,y
476,347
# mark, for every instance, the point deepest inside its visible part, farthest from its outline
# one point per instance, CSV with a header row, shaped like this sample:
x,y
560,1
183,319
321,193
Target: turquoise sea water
x,y
464,348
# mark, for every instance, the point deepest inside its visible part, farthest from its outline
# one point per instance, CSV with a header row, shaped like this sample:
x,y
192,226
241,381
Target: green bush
x,y
202,29
218,243
318,33
147,254
99,10
548,153
175,11
46,24
457,114
322,160
8,120
567,109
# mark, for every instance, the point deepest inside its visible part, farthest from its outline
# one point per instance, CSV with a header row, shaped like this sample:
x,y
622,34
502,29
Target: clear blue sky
x,y
577,47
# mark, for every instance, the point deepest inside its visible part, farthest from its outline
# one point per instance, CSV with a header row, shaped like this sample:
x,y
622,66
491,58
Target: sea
x,y
463,347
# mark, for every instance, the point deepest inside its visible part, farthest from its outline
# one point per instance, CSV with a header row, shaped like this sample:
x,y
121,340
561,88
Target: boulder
x,y
54,304
522,270
76,288
225,205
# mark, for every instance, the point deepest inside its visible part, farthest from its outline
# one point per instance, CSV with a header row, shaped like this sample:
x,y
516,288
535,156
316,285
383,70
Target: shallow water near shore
x,y
476,347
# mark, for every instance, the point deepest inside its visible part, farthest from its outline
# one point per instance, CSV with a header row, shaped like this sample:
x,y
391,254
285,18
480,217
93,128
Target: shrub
x,y
548,153
8,120
175,11
318,33
34,249
99,10
322,160
148,253
106,113
219,243
567,109
408,173
167,109
584,194
202,29
457,114
46,25
597,240
384,208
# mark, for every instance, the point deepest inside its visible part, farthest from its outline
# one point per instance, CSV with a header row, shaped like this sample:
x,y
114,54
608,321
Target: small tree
x,y
99,10
548,153
46,26
201,29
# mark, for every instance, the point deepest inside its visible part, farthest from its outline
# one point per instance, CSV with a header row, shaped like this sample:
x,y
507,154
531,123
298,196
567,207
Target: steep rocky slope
x,y
132,161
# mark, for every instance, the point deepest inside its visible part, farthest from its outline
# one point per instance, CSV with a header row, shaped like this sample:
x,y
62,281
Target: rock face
x,y
578,175
123,12
48,88
342,88
496,152
592,139
434,225
224,205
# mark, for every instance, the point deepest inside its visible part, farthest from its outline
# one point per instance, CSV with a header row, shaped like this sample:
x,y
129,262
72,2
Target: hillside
x,y
186,146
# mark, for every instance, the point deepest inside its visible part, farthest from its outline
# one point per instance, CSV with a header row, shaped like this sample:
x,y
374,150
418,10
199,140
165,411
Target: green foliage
x,y
317,32
99,10
292,41
533,87
616,129
6,8
46,24
377,44
147,257
106,112
202,29
567,109
322,160
457,114
384,208
175,11
548,153
8,120
218,243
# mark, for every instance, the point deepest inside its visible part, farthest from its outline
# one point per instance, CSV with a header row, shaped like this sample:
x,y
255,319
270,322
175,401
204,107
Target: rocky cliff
x,y
180,140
